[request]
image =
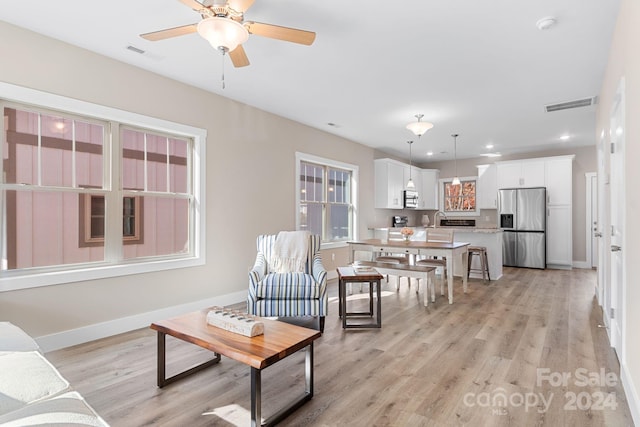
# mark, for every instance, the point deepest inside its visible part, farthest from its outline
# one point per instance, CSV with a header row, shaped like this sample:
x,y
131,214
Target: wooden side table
x,y
349,275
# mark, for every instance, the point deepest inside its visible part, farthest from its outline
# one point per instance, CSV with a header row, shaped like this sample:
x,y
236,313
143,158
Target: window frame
x,y
112,266
443,182
329,163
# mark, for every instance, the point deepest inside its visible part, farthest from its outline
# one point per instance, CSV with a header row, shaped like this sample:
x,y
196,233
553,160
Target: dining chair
x,y
391,258
442,235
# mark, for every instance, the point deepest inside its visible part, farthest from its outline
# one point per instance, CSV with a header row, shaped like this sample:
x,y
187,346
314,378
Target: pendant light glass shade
x,y
419,127
223,33
455,181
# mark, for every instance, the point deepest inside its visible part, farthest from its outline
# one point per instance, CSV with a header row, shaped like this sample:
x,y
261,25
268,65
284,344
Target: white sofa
x,y
32,391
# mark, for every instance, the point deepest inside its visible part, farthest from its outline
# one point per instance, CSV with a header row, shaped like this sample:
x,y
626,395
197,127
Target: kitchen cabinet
x,y
559,237
428,197
521,173
389,184
487,187
559,183
559,180
391,178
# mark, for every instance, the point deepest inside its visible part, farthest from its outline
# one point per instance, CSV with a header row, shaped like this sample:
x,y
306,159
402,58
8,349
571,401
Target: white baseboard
x,y
125,324
581,264
631,393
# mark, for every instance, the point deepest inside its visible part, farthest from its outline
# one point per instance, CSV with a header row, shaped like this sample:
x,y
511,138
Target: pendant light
x,y
410,183
419,127
456,180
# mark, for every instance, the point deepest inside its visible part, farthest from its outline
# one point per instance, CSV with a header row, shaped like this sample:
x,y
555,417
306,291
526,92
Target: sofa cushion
x,y
66,409
12,338
27,377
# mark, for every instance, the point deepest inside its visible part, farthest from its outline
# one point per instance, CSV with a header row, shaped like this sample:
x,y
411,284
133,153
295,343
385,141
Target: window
x,y
459,199
95,193
325,199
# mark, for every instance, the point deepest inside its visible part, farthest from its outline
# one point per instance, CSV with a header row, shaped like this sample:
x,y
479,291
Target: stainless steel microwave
x,y
410,199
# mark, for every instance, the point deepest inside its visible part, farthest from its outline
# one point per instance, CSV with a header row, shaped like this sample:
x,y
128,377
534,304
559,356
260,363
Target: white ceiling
x,y
477,68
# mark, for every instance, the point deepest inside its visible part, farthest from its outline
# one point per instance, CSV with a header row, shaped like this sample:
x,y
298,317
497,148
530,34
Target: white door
x,y
617,134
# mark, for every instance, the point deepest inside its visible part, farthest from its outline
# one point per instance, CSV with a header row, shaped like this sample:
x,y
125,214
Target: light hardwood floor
x,y
444,365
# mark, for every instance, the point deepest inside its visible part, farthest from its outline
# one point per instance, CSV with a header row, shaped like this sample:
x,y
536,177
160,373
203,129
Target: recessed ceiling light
x,y
429,153
546,23
488,146
491,155
565,137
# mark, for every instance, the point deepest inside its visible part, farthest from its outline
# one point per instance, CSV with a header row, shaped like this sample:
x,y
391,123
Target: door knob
x,y
615,248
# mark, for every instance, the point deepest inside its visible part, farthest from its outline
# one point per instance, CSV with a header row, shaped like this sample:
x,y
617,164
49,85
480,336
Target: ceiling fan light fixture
x,y
223,33
419,127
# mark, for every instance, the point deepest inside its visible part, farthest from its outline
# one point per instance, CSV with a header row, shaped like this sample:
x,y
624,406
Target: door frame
x,y
589,229
618,270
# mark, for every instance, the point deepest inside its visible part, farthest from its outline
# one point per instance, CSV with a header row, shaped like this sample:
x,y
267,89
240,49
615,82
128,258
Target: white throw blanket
x,y
290,252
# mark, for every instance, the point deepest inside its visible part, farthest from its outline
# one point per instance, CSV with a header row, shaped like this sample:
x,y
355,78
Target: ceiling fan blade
x,y
193,4
170,32
239,57
281,33
240,5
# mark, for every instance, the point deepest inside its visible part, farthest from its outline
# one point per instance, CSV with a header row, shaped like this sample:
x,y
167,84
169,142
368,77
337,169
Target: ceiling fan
x,y
224,27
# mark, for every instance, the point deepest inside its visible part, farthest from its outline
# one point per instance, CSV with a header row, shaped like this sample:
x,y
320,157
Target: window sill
x,y
13,281
333,245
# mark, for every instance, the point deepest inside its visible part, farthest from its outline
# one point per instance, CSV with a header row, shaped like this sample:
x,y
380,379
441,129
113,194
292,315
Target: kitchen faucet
x,y
435,218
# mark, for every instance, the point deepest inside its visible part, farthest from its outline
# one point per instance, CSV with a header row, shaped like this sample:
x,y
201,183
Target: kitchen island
x,y
491,238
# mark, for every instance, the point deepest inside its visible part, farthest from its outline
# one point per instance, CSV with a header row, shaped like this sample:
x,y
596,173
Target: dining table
x,y
413,248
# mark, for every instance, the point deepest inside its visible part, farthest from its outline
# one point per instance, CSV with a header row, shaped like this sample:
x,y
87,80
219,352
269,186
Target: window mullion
x,y
144,163
168,166
39,162
74,183
113,197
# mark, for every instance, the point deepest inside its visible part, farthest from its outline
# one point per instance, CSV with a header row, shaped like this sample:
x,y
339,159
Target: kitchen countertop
x,y
461,229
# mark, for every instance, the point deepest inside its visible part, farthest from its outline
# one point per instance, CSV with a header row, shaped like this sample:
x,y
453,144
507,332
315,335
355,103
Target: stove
x,y
457,223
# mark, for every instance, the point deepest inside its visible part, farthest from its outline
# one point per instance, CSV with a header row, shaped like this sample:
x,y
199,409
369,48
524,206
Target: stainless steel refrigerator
x,y
522,216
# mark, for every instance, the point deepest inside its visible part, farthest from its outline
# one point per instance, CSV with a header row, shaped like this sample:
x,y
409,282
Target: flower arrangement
x,y
406,233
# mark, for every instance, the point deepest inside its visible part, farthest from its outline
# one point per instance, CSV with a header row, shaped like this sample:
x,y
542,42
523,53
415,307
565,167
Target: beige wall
x,y
250,175
624,61
584,162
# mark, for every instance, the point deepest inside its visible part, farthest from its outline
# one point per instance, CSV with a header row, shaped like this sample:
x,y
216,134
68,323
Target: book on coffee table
x,y
364,269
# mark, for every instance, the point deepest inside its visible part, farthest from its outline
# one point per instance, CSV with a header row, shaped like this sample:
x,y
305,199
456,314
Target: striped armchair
x,y
288,294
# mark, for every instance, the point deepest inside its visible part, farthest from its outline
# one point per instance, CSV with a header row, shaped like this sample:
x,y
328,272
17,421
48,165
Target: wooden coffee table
x,y
279,341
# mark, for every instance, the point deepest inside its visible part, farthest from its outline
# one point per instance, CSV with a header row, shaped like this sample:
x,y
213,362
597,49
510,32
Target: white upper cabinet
x,y
389,184
521,173
487,188
428,197
391,178
559,180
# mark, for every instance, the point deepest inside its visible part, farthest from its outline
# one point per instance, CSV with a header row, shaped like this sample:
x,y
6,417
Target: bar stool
x,y
481,251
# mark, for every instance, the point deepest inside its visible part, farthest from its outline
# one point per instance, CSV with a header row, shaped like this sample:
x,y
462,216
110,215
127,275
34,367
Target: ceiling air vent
x,y
586,102
135,49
